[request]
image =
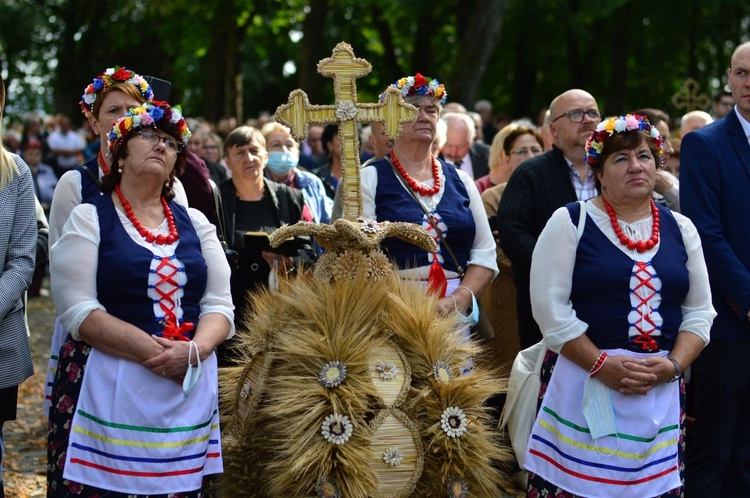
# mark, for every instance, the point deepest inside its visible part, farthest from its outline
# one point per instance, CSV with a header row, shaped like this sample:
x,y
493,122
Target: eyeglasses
x,y
576,115
152,138
534,151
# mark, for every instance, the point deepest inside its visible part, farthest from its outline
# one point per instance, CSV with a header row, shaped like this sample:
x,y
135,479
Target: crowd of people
x,y
617,242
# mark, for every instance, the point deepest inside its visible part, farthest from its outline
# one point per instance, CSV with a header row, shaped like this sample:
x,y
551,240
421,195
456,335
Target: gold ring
x,y
163,373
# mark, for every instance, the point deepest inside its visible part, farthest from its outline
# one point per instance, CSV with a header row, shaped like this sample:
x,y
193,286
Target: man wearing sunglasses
x,y
538,187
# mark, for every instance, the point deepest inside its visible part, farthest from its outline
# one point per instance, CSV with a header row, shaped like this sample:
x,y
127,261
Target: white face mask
x,y
193,372
597,408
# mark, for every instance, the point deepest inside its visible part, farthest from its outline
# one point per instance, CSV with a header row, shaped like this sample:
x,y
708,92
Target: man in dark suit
x,y
714,187
541,185
461,150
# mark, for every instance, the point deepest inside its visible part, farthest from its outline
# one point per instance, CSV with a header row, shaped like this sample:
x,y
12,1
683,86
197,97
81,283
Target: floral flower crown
x,y
621,124
420,85
105,80
148,115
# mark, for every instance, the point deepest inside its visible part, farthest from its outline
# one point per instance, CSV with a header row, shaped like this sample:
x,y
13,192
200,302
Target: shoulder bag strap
x,y
459,269
219,213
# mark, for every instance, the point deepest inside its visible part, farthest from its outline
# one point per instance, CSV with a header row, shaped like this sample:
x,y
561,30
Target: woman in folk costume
x,y
392,185
142,287
627,307
103,102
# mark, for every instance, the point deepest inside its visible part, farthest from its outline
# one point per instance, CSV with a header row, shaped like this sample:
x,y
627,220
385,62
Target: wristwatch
x,y
677,370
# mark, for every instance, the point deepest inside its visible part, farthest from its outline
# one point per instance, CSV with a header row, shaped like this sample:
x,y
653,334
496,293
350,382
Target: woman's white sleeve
x,y
74,260
218,295
552,265
66,197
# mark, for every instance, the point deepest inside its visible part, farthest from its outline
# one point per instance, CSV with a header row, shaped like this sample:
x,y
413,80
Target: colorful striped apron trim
x,y
130,424
639,460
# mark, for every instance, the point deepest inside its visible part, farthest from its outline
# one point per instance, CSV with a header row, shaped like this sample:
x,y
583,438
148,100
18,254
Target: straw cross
x,y
298,114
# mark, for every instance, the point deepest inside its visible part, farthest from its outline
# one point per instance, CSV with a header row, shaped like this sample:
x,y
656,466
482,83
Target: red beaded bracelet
x,y
598,365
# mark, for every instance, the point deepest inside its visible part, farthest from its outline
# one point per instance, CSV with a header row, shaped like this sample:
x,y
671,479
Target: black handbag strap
x,y
459,269
219,214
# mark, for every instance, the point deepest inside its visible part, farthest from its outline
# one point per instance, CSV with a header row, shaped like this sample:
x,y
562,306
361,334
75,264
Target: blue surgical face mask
x,y
280,163
597,409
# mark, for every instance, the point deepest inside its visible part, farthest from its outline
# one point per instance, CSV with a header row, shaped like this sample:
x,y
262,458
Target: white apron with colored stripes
x,y
641,461
135,432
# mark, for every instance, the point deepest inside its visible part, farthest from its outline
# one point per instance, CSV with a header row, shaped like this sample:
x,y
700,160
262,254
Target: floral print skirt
x,y
540,488
65,391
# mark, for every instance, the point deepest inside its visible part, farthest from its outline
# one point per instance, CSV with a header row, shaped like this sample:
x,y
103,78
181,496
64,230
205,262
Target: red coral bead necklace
x,y
639,245
147,234
103,164
413,184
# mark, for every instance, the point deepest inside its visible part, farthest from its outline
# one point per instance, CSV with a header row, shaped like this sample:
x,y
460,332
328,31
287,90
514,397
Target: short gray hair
x,y
451,118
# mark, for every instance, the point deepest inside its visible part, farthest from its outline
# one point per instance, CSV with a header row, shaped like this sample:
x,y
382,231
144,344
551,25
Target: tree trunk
x,y
617,89
524,74
392,66
312,49
475,47
421,57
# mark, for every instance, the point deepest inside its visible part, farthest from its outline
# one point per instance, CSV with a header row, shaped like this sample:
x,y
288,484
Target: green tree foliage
x,y
242,57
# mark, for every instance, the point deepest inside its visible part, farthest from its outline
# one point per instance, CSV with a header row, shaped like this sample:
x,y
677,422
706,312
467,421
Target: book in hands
x,y
259,242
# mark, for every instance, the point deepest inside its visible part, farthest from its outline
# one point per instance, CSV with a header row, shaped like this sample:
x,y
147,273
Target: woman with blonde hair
x,y
18,234
511,146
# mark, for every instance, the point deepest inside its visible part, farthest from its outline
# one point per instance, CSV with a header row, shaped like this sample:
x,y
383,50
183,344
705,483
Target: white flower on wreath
x,y
386,369
393,456
176,115
336,429
453,421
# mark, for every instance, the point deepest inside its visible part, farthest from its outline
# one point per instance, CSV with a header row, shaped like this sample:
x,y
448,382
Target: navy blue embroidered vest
x,y
394,203
124,267
601,284
89,172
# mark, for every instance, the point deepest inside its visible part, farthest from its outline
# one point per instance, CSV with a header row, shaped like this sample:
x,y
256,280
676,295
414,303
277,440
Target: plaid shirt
x,y
584,190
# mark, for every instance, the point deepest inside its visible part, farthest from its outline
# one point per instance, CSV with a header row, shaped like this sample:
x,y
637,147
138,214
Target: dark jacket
x,y
535,190
480,159
714,185
251,272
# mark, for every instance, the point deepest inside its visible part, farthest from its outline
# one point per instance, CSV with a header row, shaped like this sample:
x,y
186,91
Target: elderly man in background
x,y
541,185
694,120
461,150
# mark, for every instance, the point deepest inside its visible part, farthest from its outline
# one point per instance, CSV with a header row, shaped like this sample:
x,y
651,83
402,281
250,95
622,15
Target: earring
x,y
119,168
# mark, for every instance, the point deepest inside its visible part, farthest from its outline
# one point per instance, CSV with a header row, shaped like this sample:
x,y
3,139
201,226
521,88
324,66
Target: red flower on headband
x,y
419,80
122,74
